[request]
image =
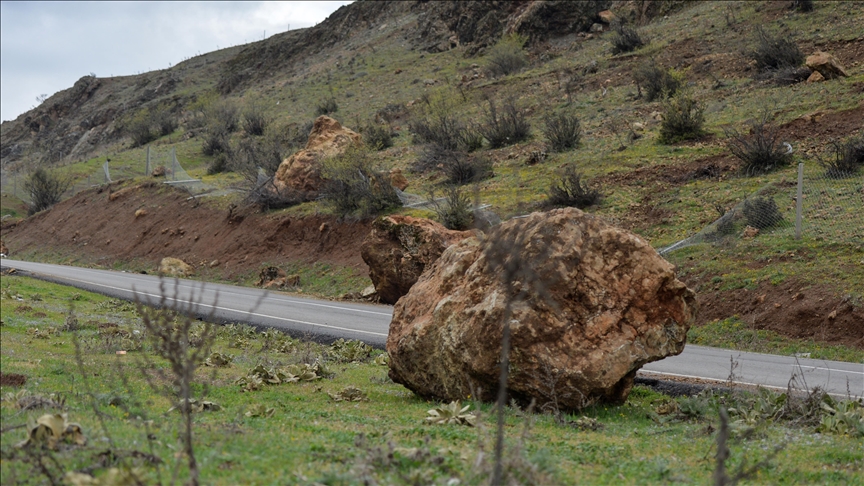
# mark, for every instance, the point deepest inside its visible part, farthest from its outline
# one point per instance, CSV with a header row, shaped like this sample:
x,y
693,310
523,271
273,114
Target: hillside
x,y
375,58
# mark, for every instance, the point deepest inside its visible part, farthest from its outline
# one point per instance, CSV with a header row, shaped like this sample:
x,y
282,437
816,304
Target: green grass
x,y
313,439
734,334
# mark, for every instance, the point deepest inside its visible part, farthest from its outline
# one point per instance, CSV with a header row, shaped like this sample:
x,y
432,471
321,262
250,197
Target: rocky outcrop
x,y
400,248
174,267
606,304
826,65
301,172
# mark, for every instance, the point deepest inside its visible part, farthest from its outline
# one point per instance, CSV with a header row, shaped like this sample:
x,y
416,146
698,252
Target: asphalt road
x,y
326,320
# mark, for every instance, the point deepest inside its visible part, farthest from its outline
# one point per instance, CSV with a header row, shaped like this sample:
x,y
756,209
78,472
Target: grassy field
x,y
297,433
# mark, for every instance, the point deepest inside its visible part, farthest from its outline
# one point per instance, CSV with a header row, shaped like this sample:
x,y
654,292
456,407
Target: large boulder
x,y
301,171
175,267
398,250
606,304
826,65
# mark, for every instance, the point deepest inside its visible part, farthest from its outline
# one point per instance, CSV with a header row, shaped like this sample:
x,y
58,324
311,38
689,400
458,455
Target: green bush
x,y
455,213
507,56
140,128
683,117
562,131
504,126
353,186
377,136
654,82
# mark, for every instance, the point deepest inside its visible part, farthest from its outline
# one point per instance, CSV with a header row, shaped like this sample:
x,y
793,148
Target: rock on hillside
x,y
400,248
301,171
608,304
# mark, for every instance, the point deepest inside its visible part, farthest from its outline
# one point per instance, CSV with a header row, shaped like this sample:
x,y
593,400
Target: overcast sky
x,y
46,46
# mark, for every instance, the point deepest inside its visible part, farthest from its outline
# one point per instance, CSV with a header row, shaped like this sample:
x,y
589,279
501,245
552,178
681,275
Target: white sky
x,y
46,46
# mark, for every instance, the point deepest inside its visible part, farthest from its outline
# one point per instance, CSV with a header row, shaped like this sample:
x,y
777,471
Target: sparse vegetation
x,y
354,186
562,131
505,125
761,150
683,119
626,39
437,124
572,191
507,56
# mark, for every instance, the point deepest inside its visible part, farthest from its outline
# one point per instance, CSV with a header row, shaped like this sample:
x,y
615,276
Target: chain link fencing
x,y
822,206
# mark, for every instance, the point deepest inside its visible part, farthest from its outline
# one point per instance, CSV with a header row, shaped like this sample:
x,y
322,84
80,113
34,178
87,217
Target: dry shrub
x,y
626,39
774,53
761,150
572,191
844,158
504,126
562,131
45,189
455,213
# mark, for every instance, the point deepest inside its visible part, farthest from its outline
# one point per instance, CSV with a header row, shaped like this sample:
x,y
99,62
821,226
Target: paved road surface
x,y
329,320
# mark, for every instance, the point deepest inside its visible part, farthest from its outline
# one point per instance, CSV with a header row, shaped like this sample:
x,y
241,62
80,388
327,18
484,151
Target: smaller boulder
x,y
398,180
826,64
607,17
398,250
815,77
174,267
4,250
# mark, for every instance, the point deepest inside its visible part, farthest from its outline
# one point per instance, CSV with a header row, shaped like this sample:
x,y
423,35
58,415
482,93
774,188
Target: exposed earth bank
x,y
140,224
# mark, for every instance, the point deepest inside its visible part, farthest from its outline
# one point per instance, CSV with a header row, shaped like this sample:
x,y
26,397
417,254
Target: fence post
x,y
799,201
147,168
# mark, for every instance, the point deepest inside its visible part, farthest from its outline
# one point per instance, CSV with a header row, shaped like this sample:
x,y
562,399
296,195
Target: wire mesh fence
x,y
831,209
160,164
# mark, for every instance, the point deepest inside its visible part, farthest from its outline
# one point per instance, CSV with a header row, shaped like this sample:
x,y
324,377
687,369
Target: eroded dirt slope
x,y
146,222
